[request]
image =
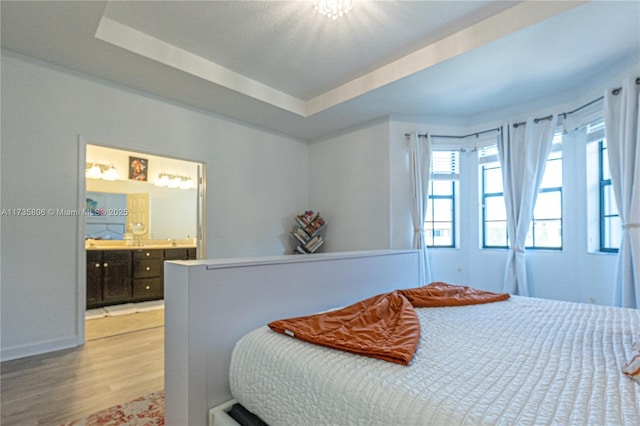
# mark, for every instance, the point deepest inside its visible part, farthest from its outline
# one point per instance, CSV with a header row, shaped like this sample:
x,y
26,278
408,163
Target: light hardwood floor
x,y
121,324
54,388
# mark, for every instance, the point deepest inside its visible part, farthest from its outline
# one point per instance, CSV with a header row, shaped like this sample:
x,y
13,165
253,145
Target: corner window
x,y
603,222
494,213
609,219
440,220
545,231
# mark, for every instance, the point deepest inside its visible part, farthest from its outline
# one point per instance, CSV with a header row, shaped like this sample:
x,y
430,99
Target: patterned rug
x,y
144,411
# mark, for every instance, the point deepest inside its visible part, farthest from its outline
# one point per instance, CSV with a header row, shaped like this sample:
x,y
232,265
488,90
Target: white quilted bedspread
x,y
520,362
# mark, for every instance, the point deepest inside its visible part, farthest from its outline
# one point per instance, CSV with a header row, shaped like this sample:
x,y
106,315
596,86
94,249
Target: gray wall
x,y
251,196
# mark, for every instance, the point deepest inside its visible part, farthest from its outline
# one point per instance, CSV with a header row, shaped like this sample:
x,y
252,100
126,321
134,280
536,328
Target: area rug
x,y
144,411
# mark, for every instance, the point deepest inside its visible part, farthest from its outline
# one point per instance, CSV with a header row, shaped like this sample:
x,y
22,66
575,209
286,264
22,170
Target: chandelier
x,y
333,8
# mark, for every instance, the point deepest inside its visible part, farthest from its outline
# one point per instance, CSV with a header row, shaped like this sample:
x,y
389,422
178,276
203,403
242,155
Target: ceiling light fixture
x,y
333,8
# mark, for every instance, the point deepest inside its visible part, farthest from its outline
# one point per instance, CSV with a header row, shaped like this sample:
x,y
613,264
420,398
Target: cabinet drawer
x,y
147,254
94,256
147,288
116,255
147,268
175,254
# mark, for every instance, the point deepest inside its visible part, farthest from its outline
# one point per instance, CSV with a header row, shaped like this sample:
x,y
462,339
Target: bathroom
x,y
141,210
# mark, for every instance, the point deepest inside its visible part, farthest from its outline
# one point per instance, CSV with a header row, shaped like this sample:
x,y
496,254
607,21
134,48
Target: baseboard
x,y
8,354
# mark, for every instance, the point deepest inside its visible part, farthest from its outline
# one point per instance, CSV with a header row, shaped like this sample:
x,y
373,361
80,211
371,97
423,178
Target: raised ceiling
x,y
281,66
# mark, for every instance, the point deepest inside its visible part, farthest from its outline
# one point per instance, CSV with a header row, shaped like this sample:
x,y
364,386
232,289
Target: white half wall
x,y
256,182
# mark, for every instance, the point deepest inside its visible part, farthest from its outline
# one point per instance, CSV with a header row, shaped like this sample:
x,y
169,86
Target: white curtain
x,y
623,146
523,151
419,162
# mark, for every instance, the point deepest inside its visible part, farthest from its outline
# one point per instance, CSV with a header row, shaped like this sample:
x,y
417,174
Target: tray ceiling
x,y
281,66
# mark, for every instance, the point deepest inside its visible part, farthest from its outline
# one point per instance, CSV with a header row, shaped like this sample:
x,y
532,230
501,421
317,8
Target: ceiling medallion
x,y
333,8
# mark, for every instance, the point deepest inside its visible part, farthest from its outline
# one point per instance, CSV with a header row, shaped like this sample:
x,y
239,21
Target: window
x,y
545,231
609,218
494,213
603,222
440,220
546,227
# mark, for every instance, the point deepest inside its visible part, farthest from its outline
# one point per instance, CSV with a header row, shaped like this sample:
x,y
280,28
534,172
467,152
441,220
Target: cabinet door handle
x,y
105,264
97,265
148,254
147,288
148,268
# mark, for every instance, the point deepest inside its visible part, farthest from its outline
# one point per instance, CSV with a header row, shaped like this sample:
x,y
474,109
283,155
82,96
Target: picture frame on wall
x,y
138,168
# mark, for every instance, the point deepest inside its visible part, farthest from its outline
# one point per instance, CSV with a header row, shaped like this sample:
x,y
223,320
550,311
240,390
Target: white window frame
x,y
443,168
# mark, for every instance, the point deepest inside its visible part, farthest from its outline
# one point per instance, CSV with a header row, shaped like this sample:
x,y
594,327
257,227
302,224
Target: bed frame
x,y
210,304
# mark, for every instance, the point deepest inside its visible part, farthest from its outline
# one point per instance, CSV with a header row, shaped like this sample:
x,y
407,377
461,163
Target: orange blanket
x,y
384,326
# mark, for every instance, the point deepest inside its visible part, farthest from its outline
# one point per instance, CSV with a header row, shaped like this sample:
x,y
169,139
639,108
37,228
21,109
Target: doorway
x,y
163,198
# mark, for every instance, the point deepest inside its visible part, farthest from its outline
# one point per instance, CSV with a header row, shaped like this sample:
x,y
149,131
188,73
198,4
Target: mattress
x,y
523,361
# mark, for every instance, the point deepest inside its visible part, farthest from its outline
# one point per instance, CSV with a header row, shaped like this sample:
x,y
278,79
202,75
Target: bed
x,y
521,361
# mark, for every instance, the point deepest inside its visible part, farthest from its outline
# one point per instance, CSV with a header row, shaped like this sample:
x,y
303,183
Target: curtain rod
x,y
476,134
615,91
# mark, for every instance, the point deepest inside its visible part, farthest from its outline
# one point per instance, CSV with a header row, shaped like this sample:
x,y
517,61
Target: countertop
x,y
120,245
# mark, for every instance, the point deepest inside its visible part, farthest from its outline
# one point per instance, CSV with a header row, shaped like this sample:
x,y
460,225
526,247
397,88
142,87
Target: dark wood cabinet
x,y
94,278
175,254
116,276
135,275
147,289
108,277
147,275
147,263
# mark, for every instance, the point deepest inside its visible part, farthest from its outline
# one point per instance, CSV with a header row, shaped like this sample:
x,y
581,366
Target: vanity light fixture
x,y
174,181
110,174
93,171
101,171
186,184
162,180
333,8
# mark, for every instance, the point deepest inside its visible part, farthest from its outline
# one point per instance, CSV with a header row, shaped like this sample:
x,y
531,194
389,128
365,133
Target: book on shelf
x,y
316,245
298,237
316,231
311,242
301,234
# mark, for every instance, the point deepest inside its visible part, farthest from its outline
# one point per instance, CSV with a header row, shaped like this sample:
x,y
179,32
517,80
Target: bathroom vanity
x,y
122,274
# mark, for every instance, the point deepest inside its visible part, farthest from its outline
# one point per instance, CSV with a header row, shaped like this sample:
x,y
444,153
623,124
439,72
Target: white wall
x,y
349,186
251,195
